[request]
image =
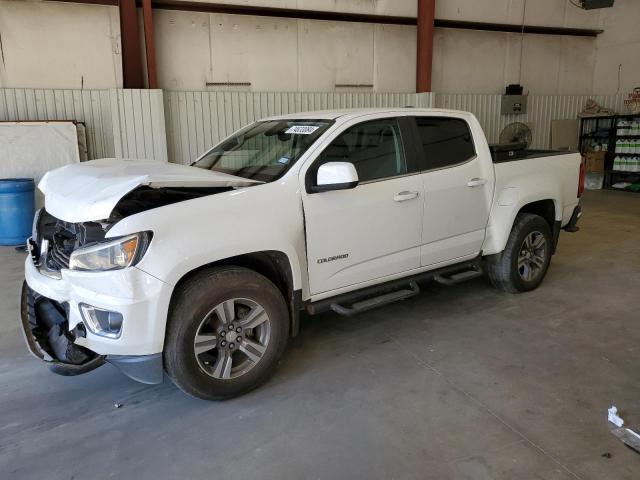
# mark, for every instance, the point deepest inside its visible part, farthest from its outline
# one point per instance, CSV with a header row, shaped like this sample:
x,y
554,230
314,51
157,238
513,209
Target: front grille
x,y
63,238
57,257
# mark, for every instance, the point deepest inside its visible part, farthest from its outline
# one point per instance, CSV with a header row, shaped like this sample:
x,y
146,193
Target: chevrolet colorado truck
x,y
202,271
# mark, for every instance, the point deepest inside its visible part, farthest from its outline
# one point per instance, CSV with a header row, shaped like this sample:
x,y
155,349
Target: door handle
x,y
404,196
476,182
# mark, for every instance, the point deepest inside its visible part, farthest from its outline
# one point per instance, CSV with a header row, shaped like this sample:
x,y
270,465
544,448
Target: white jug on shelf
x,y
616,163
618,146
622,127
624,146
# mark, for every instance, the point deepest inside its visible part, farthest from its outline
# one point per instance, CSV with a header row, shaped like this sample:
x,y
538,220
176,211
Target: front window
x,y
264,150
374,148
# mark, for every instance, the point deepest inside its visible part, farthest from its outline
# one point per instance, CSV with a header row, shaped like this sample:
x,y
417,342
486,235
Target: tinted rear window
x,y
445,141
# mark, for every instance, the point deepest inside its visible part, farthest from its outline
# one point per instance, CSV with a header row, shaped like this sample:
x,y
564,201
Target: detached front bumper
x,y
56,332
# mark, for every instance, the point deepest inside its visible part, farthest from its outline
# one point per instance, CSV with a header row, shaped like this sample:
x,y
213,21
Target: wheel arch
x,y
272,264
546,208
549,211
504,217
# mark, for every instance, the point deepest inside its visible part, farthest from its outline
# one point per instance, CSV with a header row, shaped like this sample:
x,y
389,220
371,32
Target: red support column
x,y
426,15
132,76
149,44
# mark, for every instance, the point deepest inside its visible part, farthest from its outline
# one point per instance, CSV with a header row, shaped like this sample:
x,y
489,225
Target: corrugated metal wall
x,y
179,126
139,129
119,123
91,107
541,109
198,120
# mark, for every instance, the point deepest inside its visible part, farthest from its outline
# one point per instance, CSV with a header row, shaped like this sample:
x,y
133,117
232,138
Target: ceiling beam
x,y
189,6
512,28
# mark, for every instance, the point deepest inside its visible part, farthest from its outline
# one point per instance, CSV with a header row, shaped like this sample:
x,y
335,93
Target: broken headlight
x,y
112,255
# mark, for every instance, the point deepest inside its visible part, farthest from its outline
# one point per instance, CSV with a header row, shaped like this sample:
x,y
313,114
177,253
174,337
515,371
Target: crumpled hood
x,y
89,191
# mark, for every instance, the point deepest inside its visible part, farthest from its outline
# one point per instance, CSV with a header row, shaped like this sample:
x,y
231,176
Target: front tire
x,y
522,265
226,331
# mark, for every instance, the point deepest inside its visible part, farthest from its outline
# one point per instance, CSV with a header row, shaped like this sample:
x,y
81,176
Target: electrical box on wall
x,y
513,104
593,4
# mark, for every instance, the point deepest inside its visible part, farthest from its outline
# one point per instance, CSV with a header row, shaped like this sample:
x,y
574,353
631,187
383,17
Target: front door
x,y
373,230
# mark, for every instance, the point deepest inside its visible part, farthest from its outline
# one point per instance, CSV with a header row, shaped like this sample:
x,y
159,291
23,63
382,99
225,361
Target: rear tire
x,y
526,257
226,331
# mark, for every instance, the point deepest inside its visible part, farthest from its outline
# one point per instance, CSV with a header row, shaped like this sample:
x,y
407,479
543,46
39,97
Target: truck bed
x,y
515,151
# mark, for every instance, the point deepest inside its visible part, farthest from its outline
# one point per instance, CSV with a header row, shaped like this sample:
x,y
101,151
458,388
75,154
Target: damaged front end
x,y
49,330
45,322
60,319
85,302
54,240
45,327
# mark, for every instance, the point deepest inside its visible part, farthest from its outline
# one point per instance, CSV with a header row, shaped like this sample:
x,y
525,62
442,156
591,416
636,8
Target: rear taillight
x,y
581,180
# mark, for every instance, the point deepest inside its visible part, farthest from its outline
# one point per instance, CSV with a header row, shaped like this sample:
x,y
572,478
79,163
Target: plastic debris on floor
x,y
627,436
614,417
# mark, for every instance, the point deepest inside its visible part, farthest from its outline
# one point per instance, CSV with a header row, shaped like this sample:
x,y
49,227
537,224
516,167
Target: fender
x,y
194,233
519,183
191,234
509,202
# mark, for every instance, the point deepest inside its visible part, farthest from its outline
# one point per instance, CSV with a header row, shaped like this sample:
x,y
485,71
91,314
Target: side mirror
x,y
336,176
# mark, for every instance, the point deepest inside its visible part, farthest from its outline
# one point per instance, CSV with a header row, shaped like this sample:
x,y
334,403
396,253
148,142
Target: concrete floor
x,y
462,382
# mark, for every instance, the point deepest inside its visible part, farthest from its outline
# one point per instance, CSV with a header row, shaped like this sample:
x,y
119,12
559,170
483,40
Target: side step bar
x,y
378,295
459,277
374,302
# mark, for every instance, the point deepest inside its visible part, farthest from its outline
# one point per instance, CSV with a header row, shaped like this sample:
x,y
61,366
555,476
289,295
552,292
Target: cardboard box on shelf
x,y
594,162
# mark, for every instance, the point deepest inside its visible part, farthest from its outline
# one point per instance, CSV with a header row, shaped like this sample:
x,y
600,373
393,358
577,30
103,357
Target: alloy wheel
x,y
232,338
532,256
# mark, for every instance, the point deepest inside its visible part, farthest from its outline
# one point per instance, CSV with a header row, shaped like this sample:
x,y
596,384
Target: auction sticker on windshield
x,y
301,129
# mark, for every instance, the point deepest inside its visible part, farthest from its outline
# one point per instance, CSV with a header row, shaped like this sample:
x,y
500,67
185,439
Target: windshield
x,y
264,150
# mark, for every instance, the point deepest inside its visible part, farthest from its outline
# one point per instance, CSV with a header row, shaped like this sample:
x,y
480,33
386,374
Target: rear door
x,y
458,186
373,230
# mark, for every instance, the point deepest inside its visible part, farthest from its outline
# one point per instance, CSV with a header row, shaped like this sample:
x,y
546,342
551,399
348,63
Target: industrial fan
x,y
516,133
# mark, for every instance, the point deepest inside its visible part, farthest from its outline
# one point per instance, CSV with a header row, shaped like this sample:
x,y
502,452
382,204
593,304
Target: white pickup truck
x,y
202,271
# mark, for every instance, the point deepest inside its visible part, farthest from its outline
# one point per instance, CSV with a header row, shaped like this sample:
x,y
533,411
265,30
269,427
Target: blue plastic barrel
x,y
17,207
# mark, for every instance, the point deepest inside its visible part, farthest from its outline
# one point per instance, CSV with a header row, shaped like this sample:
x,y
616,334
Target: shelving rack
x,y
603,130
